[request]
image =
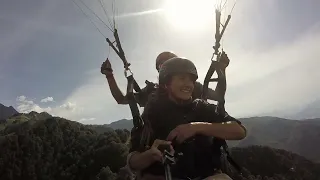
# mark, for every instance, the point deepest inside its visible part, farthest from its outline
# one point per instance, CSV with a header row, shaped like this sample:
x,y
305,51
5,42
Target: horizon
x,y
130,119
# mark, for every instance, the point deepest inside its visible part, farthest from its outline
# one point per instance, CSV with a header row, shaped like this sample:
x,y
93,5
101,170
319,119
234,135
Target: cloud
x,y
147,12
86,119
69,106
21,98
93,99
65,110
25,106
47,99
279,81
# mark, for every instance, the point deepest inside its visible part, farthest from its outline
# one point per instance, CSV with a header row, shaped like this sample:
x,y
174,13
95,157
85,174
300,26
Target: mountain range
x,y
299,136
6,112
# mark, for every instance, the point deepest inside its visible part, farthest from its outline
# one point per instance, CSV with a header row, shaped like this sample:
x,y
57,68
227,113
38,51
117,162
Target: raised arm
x,y
216,94
212,94
141,97
106,69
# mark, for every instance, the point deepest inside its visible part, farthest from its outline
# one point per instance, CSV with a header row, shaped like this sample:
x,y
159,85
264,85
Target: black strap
x,y
122,56
132,84
230,159
221,80
136,86
137,120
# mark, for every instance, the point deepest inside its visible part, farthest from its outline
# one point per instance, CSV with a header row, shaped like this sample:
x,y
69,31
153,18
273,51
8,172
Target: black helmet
x,y
164,56
176,65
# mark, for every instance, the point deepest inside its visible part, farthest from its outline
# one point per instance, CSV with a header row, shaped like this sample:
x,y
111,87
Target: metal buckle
x,y
126,72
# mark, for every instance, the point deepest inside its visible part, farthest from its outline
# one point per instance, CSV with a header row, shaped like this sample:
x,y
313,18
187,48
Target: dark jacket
x,y
201,157
143,96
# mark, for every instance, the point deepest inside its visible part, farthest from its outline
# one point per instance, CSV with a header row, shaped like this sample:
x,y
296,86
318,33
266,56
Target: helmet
x,y
176,65
162,57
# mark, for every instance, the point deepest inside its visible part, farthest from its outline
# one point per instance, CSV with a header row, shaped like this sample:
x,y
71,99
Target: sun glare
x,y
190,14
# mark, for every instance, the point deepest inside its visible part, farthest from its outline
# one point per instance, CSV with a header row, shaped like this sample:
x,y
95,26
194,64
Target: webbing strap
x,y
222,85
136,87
230,159
118,49
132,84
137,120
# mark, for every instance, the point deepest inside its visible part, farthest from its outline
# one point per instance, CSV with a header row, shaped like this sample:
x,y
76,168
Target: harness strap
x,y
122,56
221,81
229,158
132,84
137,120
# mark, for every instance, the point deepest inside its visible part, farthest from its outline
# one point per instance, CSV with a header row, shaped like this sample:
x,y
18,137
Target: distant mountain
x,y
100,128
310,111
301,137
121,124
6,112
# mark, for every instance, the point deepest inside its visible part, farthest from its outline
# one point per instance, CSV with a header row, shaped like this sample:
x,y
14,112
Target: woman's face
x,y
181,86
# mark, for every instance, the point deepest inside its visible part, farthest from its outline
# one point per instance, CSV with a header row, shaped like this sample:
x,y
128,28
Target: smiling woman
x,y
190,14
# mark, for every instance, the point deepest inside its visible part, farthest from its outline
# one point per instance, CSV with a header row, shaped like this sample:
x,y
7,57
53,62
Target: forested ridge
x,y
41,147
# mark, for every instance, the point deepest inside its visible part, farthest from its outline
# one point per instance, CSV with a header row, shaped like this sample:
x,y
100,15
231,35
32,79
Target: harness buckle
x,y
126,72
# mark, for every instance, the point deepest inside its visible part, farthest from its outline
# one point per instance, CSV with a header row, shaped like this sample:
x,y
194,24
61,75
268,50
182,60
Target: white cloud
x,y
25,106
86,119
94,99
69,106
69,109
21,98
66,110
47,99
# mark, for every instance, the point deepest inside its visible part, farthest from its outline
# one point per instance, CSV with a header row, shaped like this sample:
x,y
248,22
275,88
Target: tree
x,y
106,174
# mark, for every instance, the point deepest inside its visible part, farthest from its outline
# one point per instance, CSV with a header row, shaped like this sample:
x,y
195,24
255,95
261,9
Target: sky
x,y
50,53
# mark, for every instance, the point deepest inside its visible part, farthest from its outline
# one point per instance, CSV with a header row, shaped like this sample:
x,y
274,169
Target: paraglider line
x,y
105,12
108,52
114,12
224,5
89,18
235,2
96,15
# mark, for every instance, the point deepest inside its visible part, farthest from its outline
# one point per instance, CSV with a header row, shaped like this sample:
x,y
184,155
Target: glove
x,y
106,68
224,60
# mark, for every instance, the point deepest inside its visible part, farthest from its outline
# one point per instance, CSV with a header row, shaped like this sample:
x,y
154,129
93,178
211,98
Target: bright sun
x,y
190,14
